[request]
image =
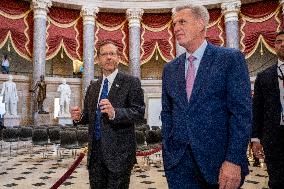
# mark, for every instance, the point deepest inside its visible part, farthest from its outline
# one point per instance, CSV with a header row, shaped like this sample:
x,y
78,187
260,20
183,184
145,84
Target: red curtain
x,y
215,30
14,7
62,32
113,26
157,34
259,23
14,24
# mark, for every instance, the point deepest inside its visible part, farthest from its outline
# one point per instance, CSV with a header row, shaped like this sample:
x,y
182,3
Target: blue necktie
x,y
104,94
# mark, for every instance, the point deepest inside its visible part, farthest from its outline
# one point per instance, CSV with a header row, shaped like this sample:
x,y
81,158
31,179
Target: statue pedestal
x,y
42,119
11,120
64,120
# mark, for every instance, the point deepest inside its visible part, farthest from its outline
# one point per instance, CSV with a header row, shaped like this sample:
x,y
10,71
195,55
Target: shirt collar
x,y
199,52
111,77
280,62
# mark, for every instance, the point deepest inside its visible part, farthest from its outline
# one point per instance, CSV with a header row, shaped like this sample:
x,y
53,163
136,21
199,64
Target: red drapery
x,y
157,34
215,29
62,32
15,25
259,23
113,26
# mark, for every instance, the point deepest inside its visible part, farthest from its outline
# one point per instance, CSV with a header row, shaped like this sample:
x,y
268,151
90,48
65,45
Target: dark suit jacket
x,y
216,122
267,112
118,143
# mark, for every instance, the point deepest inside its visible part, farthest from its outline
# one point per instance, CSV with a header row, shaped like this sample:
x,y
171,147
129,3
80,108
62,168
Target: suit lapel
x,y
275,82
116,85
181,82
97,88
203,71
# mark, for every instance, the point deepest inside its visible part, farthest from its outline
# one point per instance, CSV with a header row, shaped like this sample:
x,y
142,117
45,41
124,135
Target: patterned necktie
x,y
190,76
104,95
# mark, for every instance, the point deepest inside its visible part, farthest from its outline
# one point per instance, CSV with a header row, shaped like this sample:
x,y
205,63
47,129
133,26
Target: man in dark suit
x,y
268,117
206,109
112,105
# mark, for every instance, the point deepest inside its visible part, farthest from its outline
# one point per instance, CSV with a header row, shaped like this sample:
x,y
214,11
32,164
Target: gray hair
x,y
199,11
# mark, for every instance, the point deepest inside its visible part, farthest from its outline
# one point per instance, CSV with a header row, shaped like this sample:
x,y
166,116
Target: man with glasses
x,y
112,105
206,109
268,123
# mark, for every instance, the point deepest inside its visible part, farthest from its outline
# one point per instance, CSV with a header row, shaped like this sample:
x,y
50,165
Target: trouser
x,y
275,169
101,177
5,69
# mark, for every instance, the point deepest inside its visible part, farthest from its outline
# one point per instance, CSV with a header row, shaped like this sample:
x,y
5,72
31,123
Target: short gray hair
x,y
199,11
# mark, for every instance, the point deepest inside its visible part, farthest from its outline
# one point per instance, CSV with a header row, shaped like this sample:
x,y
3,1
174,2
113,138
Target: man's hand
x,y
106,107
229,176
257,150
75,113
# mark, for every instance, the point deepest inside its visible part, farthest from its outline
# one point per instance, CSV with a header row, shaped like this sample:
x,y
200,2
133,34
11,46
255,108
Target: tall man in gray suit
x,y
112,104
206,109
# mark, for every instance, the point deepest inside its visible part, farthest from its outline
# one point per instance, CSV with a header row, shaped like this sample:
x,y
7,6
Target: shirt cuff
x,y
255,140
112,118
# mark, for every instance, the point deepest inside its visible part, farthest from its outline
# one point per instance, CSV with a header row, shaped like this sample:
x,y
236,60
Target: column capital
x,y
134,16
231,10
281,2
40,8
89,14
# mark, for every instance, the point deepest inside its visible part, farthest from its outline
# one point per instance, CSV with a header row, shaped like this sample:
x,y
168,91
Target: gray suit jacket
x,y
118,143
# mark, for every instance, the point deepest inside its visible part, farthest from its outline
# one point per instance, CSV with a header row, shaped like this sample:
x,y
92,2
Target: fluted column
x,y
89,15
281,2
40,8
231,11
134,19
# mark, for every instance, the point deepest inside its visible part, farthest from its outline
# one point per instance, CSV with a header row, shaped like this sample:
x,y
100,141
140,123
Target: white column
x,y
40,8
134,19
89,15
281,2
231,11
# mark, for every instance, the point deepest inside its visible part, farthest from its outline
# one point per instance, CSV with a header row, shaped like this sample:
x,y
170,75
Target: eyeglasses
x,y
105,54
180,22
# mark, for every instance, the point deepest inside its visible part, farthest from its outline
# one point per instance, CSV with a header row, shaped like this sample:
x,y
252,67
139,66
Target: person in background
x,y
112,105
206,109
5,64
268,117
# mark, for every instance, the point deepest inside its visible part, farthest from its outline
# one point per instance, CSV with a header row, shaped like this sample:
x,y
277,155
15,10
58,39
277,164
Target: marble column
x,y
179,49
40,8
134,21
89,15
281,2
231,11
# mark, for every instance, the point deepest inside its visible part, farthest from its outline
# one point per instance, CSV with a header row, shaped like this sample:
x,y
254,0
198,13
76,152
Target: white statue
x,y
64,101
10,97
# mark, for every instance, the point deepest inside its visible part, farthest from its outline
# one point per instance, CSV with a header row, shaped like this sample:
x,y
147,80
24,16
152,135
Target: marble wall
x,y
152,90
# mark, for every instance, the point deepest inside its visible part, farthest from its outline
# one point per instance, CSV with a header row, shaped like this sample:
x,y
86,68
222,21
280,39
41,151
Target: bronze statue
x,y
41,94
